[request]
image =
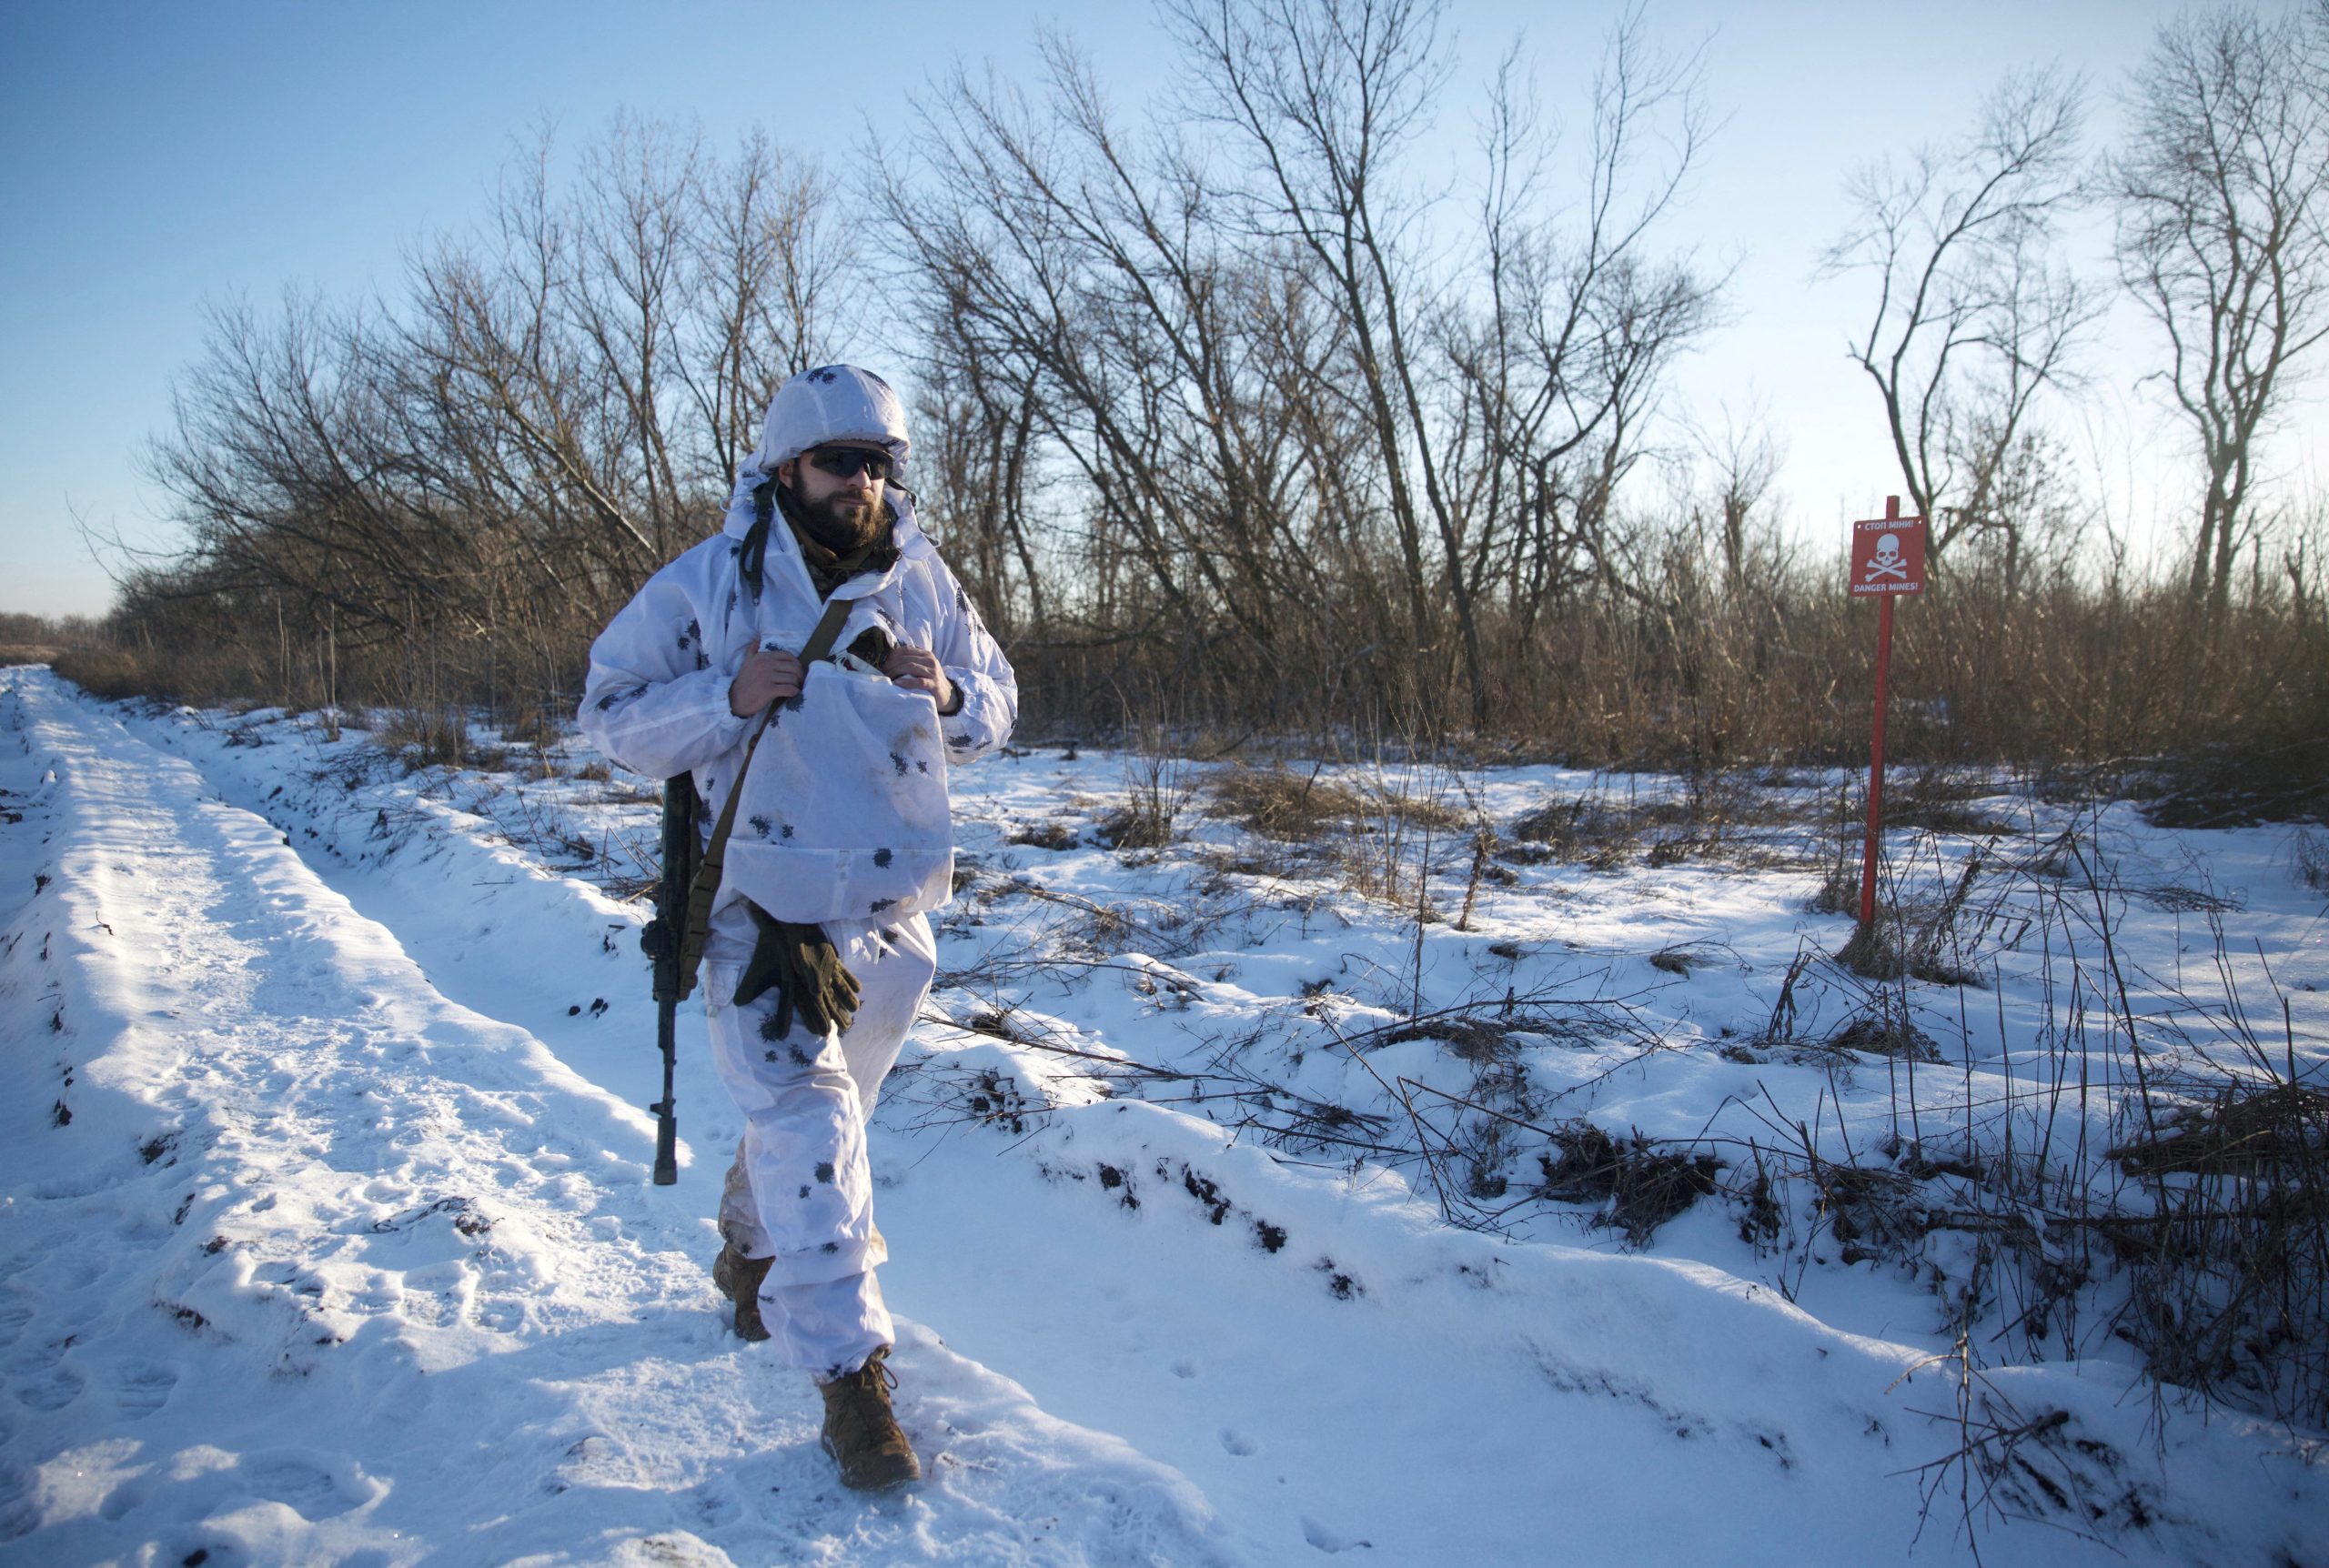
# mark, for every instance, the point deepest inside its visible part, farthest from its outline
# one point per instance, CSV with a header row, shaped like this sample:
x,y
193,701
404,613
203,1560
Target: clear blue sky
x,y
160,155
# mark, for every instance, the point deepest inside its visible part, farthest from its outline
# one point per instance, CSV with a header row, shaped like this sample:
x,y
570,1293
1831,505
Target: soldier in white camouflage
x,y
819,950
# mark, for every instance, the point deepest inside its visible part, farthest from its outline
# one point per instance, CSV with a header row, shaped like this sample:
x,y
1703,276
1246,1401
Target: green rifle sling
x,y
706,886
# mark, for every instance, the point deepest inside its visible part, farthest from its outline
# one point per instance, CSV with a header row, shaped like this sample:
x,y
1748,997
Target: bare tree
x,y
1323,94
1578,324
2223,240
766,263
1083,294
1503,380
1974,316
1742,459
486,469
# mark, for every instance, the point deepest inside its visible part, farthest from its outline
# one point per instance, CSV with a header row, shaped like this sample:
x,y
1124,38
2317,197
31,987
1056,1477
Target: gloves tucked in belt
x,y
811,984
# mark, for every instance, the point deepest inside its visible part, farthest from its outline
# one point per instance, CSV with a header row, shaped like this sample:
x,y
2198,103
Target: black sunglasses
x,y
840,462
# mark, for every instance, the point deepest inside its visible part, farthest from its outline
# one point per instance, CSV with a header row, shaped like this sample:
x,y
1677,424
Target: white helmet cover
x,y
832,403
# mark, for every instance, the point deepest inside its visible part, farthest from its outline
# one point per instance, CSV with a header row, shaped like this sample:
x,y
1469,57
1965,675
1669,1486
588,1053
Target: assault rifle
x,y
675,938
661,942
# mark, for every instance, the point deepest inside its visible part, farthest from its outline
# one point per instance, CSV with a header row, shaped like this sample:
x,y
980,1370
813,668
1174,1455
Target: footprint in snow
x,y
1331,1541
18,1516
668,1549
305,1483
1238,1443
715,1502
430,1304
44,1385
141,1387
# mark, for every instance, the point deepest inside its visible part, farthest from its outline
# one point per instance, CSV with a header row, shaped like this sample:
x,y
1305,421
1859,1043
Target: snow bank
x,y
391,1069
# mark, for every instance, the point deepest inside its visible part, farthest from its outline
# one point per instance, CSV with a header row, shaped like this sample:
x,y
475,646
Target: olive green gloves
x,y
812,986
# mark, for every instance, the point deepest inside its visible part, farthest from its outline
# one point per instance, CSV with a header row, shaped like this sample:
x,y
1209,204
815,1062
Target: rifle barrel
x,y
662,939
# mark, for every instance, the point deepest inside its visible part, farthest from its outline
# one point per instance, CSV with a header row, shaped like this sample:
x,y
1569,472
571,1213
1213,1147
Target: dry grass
x,y
1157,793
1278,803
1882,1032
433,738
1641,1182
2309,859
541,728
1386,854
1935,799
1585,832
2228,1273
2246,1130
115,675
1054,834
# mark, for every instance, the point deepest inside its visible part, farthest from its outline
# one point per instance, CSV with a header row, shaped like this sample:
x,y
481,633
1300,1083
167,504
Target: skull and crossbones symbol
x,y
1889,561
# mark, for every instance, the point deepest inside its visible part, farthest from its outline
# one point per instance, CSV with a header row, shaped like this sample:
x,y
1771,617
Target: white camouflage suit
x,y
855,759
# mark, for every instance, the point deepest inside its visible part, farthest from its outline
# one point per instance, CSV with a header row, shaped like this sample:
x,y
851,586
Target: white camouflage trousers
x,y
800,1192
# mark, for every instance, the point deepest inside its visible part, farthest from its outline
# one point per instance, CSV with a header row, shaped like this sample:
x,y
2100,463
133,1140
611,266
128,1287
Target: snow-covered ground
x,y
326,1232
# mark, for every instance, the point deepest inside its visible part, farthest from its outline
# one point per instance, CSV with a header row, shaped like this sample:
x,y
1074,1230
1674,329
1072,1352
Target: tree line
x,y
1229,419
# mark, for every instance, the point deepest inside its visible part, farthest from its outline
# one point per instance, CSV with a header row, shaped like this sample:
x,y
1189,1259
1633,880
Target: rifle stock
x,y
661,942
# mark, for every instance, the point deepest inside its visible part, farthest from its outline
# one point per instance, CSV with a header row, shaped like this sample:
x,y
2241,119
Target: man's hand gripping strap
x,y
706,886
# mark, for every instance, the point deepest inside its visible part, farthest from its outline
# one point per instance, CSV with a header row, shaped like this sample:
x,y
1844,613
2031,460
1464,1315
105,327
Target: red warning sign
x,y
1889,555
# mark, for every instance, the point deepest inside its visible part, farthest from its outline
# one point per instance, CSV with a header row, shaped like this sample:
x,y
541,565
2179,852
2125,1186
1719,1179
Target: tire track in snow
x,y
326,1265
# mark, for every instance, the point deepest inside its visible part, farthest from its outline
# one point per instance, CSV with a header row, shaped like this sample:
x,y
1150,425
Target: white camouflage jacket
x,y
657,699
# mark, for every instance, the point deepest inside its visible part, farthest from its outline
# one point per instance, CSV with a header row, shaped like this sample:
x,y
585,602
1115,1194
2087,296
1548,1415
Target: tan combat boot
x,y
860,1433
739,1278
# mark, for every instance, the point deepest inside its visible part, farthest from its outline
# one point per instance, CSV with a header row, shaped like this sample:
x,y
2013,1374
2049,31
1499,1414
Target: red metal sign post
x,y
1888,561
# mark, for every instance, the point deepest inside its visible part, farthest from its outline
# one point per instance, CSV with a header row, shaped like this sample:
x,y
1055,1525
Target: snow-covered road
x,y
325,1235
327,1268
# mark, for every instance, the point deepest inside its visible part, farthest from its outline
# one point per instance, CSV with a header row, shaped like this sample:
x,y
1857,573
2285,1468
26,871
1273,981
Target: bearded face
x,y
843,512
843,523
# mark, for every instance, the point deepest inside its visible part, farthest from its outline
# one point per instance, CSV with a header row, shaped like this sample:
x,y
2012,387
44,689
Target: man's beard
x,y
842,526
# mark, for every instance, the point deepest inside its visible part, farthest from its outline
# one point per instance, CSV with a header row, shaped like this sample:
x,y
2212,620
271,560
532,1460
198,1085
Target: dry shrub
x,y
1867,1208
2309,859
2070,678
1157,793
2229,1275
1838,890
1280,804
2220,1240
1929,938
1882,1030
430,738
1054,834
995,1023
1374,861
2239,785
2249,1131
1476,1040
1138,824
537,728
1642,1182
1376,833
1935,799
114,674
1585,831
1426,809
